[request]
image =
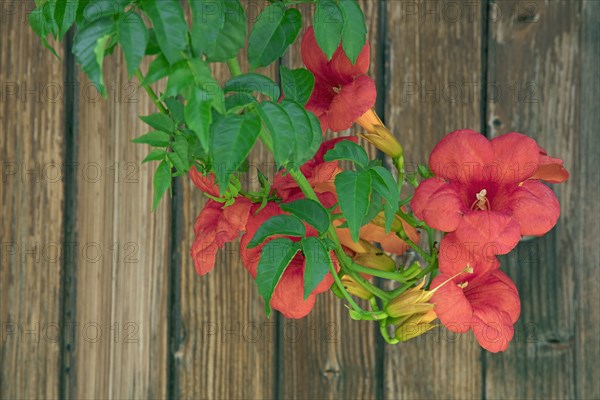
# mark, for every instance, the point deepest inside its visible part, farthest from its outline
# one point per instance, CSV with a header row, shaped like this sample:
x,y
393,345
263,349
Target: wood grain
x,y
433,85
536,51
31,193
327,355
122,276
227,346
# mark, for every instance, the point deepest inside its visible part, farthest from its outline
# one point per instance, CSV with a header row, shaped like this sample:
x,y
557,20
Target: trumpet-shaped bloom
x,y
497,178
487,303
288,297
343,92
215,226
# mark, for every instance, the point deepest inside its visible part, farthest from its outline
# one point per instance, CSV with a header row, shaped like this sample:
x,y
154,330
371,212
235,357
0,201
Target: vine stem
x,y
375,272
234,66
151,93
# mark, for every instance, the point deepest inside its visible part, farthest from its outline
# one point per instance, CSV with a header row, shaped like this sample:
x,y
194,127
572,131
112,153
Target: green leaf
x,y
155,138
297,84
180,149
375,207
159,121
175,109
309,211
169,25
384,183
232,139
42,22
155,155
354,33
158,69
280,126
287,225
198,115
274,258
329,24
133,38
354,189
275,29
65,13
348,150
250,83
318,262
92,10
307,137
218,28
162,181
88,48
238,101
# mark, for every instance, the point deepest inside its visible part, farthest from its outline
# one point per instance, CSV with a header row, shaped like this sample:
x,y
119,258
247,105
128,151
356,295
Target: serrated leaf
x,y
155,155
375,206
232,139
250,83
176,109
354,33
287,225
198,115
309,211
235,102
280,126
42,23
275,29
155,138
181,149
169,25
159,121
65,13
328,25
297,84
88,48
133,38
218,28
354,189
162,182
317,263
274,259
384,183
350,151
307,138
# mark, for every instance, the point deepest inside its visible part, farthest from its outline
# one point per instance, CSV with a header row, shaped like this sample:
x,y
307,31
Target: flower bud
x,y
379,135
379,220
379,261
413,301
355,288
416,325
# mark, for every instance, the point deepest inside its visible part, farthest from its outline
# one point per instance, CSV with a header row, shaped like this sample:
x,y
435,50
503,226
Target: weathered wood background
x,y
99,298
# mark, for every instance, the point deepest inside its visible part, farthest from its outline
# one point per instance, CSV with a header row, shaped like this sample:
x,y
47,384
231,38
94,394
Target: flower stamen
x,y
481,201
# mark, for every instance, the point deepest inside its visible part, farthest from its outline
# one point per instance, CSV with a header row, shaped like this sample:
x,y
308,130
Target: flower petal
x,y
516,158
535,207
353,100
206,183
461,156
455,256
437,203
451,306
490,331
550,169
288,297
493,232
320,102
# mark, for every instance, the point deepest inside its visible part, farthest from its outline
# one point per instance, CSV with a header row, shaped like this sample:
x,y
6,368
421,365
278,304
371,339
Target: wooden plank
x,y
327,355
536,52
123,271
32,143
433,86
226,348
587,193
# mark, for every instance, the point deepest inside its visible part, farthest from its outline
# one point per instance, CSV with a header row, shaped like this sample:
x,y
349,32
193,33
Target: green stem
x,y
234,66
399,164
375,272
150,91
